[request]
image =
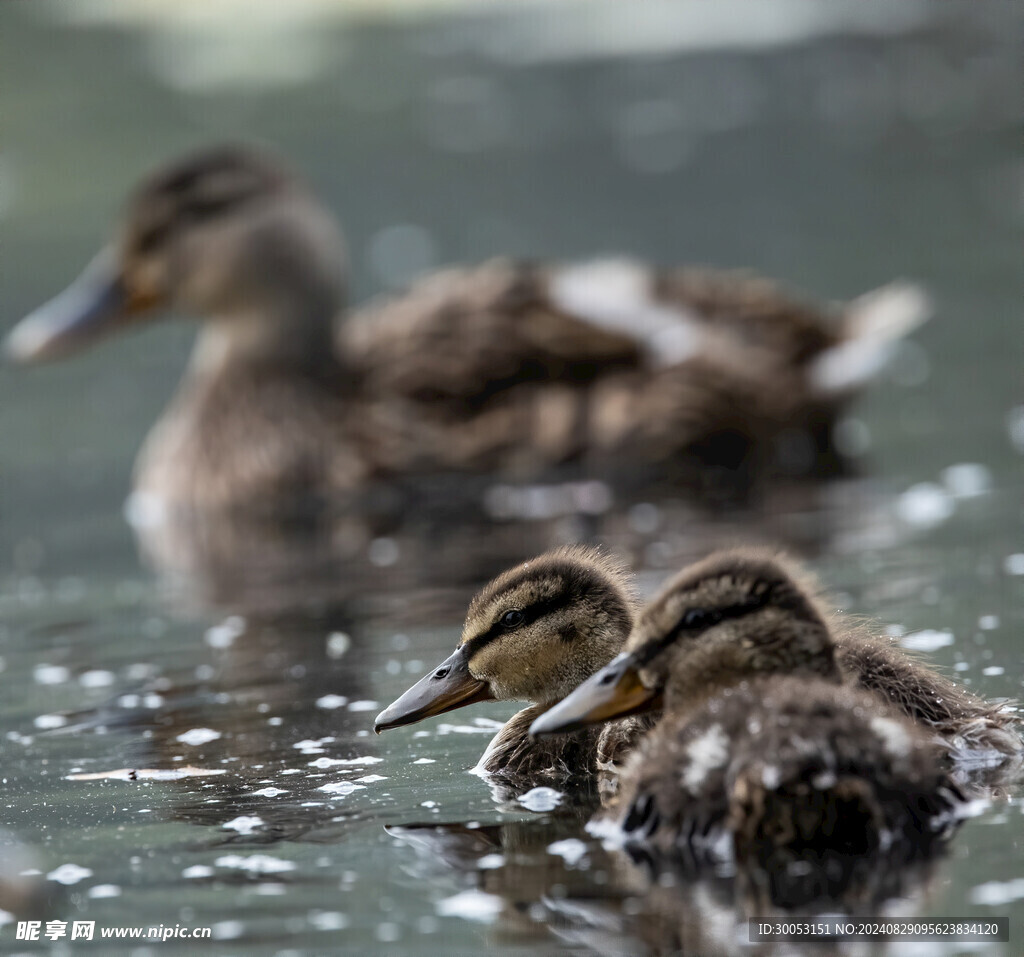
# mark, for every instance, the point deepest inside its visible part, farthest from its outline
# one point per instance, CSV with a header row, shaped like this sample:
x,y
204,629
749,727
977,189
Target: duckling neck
x,y
303,340
715,674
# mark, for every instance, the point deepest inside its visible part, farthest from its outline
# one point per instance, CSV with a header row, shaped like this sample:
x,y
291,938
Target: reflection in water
x,y
539,879
24,894
428,547
284,712
286,702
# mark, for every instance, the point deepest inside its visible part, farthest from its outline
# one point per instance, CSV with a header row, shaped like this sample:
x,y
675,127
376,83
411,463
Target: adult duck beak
x,y
614,692
95,303
447,687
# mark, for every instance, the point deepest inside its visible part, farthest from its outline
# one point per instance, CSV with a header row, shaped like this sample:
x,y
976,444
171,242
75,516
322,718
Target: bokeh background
x,y
834,146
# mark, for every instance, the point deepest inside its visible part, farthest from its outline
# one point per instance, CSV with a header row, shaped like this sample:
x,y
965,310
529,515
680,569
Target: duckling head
x,y
227,235
533,633
735,616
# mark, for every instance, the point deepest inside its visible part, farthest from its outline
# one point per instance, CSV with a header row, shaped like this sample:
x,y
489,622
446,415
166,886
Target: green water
x,y
835,163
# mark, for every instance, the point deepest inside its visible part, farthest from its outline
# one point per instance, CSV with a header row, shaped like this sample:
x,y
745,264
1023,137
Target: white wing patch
x,y
615,295
875,323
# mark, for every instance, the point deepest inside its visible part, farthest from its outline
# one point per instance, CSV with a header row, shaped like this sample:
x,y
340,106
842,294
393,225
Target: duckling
x,y
976,733
534,633
511,367
763,749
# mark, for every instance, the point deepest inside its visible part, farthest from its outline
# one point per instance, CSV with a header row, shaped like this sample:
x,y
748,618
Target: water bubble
x,y
388,932
331,701
1014,564
471,905
337,644
328,920
1015,427
342,788
198,736
927,640
68,874
570,850
541,799
925,505
244,823
227,929
50,674
998,893
851,437
967,479
223,635
383,552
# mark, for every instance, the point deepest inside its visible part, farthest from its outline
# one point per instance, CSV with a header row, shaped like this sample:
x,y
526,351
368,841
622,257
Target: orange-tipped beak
x,y
614,692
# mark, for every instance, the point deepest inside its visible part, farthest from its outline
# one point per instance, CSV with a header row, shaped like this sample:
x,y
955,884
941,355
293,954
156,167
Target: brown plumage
x,y
975,731
535,633
970,728
762,744
506,366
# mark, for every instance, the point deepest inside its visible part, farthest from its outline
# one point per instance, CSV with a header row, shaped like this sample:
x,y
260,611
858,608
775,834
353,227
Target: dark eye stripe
x,y
530,614
696,620
572,587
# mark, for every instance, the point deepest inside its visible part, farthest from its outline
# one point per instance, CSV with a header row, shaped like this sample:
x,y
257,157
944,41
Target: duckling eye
x,y
698,618
512,619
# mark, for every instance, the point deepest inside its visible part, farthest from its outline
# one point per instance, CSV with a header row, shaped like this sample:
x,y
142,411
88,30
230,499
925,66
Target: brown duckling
x,y
762,748
976,733
597,605
505,366
534,633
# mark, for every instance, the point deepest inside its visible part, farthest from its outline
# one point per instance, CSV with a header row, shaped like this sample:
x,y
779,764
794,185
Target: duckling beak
x,y
614,692
95,303
448,686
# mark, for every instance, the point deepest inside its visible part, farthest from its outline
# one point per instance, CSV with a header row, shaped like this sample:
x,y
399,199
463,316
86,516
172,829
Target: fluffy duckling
x,y
761,742
534,633
976,733
505,366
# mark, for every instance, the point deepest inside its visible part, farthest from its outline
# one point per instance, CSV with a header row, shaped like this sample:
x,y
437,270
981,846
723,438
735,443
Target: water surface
x,y
836,162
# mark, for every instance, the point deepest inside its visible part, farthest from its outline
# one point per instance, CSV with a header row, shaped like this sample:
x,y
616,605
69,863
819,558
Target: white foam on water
x,y
471,905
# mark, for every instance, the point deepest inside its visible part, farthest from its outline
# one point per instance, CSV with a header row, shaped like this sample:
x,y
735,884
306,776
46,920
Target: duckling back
x,y
785,766
977,733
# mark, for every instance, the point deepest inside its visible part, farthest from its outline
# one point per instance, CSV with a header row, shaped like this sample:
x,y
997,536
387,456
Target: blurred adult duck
x,y
763,748
509,367
535,633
